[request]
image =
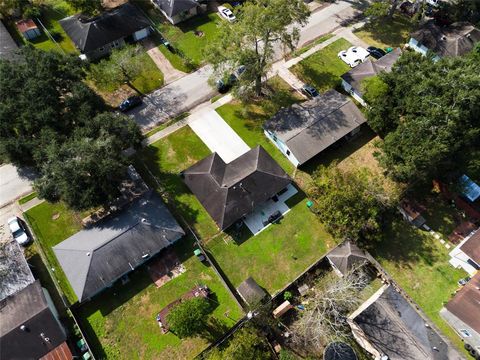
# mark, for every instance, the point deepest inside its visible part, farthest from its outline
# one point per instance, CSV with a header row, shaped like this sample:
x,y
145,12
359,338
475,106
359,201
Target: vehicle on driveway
x,y
375,52
226,13
463,282
353,56
130,103
309,90
18,231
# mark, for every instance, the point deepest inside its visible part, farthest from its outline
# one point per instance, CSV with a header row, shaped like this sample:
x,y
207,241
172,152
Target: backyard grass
x,y
120,322
247,119
323,69
440,215
419,263
383,34
53,223
278,254
165,159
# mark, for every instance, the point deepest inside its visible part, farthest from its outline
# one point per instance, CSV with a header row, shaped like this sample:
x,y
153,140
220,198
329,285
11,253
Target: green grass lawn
x,y
165,159
278,254
441,216
183,38
247,119
151,77
310,45
386,33
53,223
323,69
52,12
27,198
419,263
120,322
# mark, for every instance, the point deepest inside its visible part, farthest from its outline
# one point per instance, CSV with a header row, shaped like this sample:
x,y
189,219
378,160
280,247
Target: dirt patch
x,y
55,216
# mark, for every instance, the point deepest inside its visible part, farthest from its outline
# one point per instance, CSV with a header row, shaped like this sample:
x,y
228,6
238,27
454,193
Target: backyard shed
x,y
282,309
28,29
345,257
470,189
250,292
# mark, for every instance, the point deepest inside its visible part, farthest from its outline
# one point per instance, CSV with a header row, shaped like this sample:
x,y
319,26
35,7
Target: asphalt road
x,y
193,89
14,183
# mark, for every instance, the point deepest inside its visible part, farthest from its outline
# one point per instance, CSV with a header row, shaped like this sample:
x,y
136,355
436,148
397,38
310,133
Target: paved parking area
x,y
14,183
217,135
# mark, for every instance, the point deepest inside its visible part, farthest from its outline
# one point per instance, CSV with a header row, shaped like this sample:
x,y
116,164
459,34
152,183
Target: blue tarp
x,y
470,189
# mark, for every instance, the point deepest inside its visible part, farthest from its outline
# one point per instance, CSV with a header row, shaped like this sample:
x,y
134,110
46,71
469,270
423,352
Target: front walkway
x,y
218,136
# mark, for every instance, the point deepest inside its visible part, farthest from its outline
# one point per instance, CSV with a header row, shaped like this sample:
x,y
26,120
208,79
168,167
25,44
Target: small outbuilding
x,y
470,189
28,29
345,257
250,292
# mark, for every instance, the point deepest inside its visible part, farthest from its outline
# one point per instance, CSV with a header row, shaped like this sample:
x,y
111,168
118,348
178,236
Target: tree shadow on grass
x,y
389,32
404,244
322,80
194,23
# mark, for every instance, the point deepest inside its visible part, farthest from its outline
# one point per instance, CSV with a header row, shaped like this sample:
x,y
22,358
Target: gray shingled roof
x,y
15,274
370,68
395,328
91,34
230,191
310,127
97,256
251,292
8,47
454,40
346,255
28,307
175,7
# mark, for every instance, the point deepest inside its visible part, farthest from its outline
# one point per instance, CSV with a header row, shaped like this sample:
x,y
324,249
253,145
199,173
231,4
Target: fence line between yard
x,y
49,35
225,282
84,337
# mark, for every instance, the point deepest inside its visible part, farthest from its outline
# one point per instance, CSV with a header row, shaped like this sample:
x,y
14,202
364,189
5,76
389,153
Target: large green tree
x,y
262,27
352,205
189,318
122,67
50,120
427,114
87,7
246,343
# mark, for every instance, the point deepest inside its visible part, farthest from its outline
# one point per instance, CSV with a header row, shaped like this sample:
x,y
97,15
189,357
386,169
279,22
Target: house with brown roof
x,y
28,29
230,192
352,81
456,39
463,314
466,255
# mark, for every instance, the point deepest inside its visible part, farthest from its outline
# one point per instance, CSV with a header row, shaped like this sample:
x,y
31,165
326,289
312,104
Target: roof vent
x,y
444,38
44,337
88,253
23,328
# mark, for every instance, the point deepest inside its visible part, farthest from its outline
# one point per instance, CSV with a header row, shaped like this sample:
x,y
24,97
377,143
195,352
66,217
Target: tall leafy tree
x,y
122,67
262,28
189,318
87,7
428,116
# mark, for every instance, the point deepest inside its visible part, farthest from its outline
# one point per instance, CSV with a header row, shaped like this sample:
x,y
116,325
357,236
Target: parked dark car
x,y
130,103
375,52
309,90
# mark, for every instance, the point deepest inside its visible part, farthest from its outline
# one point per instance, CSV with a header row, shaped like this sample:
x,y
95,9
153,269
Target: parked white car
x,y
18,231
226,13
353,56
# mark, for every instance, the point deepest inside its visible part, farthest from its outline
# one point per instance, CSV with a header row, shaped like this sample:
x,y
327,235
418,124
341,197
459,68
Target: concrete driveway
x,y
174,99
218,135
14,183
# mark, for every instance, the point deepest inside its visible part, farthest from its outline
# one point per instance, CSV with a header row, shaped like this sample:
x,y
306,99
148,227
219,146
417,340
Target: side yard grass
x,y
165,159
419,263
120,322
323,69
278,254
53,223
383,34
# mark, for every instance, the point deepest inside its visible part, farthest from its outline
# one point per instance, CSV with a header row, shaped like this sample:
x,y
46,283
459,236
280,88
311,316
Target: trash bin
x,y
309,203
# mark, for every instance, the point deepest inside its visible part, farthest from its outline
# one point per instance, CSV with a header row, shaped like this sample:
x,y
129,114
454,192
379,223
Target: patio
x,y
256,220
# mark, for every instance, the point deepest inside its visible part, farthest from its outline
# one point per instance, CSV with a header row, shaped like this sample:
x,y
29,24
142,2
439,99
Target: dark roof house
x,y
352,81
97,256
8,47
97,36
230,191
388,325
463,312
251,292
456,39
302,131
346,256
177,10
29,327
